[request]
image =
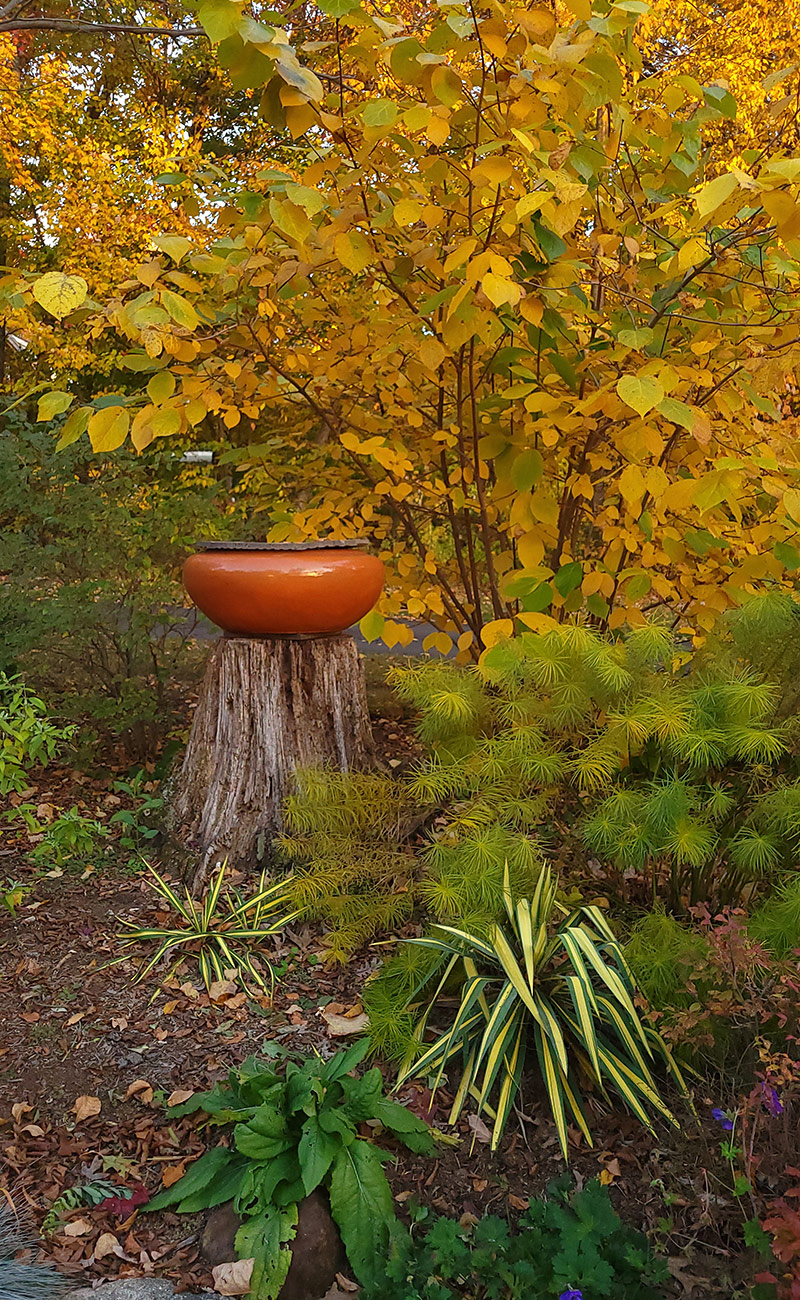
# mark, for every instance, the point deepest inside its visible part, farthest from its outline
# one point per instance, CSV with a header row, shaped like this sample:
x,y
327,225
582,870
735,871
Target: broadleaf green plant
x,y
556,977
28,735
296,1130
226,932
568,1244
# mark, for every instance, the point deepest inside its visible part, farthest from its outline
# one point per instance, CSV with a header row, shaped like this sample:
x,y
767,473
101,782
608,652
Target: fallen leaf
x,y
77,1228
479,1128
233,1278
119,1022
343,1026
346,1284
610,1172
221,989
85,1107
30,1017
140,1088
34,1129
21,1108
107,1244
179,1096
518,1202
73,1020
172,1173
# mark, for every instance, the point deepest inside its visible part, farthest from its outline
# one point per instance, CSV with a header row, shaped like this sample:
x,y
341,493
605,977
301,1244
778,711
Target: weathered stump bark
x,y
267,706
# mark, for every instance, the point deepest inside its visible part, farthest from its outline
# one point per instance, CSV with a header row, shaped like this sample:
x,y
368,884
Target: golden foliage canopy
x,y
500,305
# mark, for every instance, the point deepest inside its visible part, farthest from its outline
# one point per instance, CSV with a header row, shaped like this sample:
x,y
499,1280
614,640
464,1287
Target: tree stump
x,y
267,706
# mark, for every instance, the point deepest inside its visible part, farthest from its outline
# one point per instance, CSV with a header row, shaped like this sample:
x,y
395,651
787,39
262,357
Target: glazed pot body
x,y
284,593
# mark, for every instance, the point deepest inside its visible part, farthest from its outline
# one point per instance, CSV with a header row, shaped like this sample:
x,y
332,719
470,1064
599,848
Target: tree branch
x,y
78,25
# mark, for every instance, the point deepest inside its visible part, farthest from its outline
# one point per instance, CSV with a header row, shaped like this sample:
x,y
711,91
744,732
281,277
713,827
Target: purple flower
x,y
721,1118
771,1100
571,1295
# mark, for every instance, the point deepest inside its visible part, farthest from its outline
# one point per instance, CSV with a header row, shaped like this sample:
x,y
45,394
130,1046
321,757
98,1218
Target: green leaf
x,y
637,338
678,412
372,625
52,404
641,392
180,309
264,1136
219,18
361,1204
224,1187
343,1062
316,1152
787,556
568,578
197,1178
338,8
380,112
291,219
412,1131
161,387
527,469
75,425
720,97
265,1239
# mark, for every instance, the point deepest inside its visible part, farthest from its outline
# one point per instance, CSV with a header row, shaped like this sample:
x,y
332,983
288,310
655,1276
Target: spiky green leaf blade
x,y
553,1083
513,1063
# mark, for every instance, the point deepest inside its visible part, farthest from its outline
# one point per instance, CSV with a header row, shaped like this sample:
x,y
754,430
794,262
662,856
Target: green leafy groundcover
x,y
565,1247
297,1127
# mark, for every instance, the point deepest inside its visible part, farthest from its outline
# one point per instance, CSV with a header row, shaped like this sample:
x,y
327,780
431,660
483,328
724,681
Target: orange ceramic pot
x,y
280,589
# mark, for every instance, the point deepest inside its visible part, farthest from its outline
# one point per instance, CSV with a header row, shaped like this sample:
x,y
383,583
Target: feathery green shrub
x,y
676,757
345,838
662,954
776,923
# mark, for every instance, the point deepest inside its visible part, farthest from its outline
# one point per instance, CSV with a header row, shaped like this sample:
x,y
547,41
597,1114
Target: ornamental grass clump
x,y
226,933
549,977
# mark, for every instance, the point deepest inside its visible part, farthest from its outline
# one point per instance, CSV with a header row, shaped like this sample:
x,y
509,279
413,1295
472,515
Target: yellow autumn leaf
x,y
499,290
108,428
60,294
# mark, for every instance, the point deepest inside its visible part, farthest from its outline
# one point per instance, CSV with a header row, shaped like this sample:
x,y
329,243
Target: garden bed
x,y
76,1028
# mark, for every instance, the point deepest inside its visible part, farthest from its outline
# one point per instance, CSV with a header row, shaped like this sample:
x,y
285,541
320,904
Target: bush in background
x,y
90,595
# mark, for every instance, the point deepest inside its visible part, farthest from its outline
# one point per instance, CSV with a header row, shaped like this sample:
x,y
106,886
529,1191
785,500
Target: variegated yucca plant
x,y
224,932
557,978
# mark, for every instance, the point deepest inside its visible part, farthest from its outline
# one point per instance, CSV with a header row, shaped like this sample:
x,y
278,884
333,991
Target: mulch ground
x,y
89,1057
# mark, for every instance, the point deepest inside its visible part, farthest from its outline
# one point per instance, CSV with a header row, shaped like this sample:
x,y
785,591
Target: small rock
x,y
219,1234
127,1288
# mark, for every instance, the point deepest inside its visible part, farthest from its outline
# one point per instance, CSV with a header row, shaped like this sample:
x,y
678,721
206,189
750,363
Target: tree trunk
x,y
267,706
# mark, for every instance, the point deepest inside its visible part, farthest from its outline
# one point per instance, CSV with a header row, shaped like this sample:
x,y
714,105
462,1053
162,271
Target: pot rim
x,y
328,544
